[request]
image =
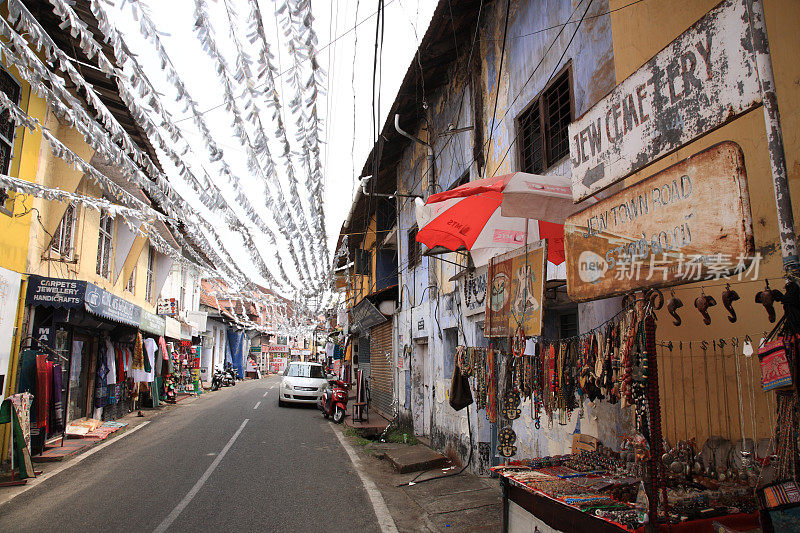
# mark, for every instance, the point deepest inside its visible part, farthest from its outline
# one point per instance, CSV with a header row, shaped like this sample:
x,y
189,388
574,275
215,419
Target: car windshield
x,y
305,371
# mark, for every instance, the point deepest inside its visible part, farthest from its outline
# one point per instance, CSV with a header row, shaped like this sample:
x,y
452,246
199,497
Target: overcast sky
x,y
347,105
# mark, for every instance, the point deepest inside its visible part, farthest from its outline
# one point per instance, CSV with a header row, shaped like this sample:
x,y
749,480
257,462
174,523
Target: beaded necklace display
x,y
491,386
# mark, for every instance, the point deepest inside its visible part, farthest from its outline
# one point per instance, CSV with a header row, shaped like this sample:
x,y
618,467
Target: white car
x,y
302,383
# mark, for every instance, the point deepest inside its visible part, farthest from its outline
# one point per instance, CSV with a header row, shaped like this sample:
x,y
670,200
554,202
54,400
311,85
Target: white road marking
x,y
163,526
265,394
385,520
256,406
32,482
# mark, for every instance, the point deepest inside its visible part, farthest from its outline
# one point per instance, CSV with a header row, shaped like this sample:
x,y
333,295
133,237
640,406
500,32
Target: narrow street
x,y
285,471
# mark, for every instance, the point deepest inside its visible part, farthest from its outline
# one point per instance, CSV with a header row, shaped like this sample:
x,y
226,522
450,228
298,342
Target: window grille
x,y
151,266
63,238
9,87
131,285
104,243
414,251
542,127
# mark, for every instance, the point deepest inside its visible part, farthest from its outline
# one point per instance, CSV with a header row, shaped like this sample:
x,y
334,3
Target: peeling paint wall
x,y
426,293
639,32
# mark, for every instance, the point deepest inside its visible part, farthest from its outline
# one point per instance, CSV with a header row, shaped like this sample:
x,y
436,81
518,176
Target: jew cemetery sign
x,y
516,291
701,80
689,222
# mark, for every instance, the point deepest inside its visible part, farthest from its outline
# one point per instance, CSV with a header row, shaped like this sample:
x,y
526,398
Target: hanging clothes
x,y
43,386
150,348
138,354
111,363
57,407
162,347
120,355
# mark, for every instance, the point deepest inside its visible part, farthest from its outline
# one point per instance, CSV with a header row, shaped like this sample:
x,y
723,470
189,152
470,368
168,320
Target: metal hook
x,y
722,343
704,345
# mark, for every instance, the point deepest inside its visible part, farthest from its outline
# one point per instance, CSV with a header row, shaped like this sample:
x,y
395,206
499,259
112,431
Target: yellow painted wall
x,y
700,394
54,172
15,230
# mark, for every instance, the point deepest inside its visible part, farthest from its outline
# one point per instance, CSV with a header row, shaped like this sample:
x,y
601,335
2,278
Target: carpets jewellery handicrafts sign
x,y
686,223
702,79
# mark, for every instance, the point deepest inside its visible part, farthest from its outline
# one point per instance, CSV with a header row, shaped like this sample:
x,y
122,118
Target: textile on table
x,y
15,410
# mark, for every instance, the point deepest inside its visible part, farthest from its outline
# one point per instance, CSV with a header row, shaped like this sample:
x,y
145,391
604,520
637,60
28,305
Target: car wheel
x,y
281,403
338,415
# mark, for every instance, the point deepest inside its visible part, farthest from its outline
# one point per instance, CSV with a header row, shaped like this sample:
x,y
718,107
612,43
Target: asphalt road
x,y
284,471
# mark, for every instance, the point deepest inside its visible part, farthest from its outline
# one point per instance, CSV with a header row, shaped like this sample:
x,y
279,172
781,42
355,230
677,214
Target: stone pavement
x,y
463,502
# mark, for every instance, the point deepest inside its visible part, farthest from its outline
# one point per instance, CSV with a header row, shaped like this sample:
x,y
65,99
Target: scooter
x,y
231,375
334,400
218,379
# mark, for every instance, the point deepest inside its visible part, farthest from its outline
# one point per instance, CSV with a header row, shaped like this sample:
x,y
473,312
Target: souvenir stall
x,y
77,361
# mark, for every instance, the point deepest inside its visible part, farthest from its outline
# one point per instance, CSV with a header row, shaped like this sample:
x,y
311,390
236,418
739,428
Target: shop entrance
x,y
81,357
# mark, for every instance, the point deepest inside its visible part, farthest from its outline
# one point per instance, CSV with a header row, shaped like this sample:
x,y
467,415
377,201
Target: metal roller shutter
x,y
382,377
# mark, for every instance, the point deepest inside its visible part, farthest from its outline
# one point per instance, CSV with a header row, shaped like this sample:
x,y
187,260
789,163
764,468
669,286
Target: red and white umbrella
x,y
471,217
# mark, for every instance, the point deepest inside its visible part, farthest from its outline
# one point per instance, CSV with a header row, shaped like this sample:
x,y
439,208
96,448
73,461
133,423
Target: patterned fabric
x,y
138,354
781,494
15,410
22,405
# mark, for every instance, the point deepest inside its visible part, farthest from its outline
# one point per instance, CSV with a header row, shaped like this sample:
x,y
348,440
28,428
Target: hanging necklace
x,y
683,391
745,453
747,351
704,347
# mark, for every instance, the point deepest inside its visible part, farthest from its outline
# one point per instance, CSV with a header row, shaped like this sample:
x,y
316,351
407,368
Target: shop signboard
x,y
701,80
167,306
9,298
473,291
255,349
516,291
55,292
102,303
153,323
686,223
277,348
366,315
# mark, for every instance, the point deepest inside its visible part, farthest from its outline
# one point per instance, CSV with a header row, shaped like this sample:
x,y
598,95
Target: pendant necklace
x,y
683,391
747,351
745,453
704,347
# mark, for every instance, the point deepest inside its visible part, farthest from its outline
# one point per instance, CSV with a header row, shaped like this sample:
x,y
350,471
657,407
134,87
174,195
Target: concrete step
x,y
415,458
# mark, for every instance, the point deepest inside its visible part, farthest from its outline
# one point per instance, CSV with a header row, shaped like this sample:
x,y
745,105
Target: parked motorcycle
x,y
231,375
334,400
218,379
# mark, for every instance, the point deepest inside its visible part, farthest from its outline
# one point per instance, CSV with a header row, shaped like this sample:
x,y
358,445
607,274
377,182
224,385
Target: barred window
x,y
131,285
9,87
542,127
104,242
363,262
414,251
63,238
151,267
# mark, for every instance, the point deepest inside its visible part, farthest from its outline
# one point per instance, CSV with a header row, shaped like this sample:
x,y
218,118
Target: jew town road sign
x,y
689,222
702,79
